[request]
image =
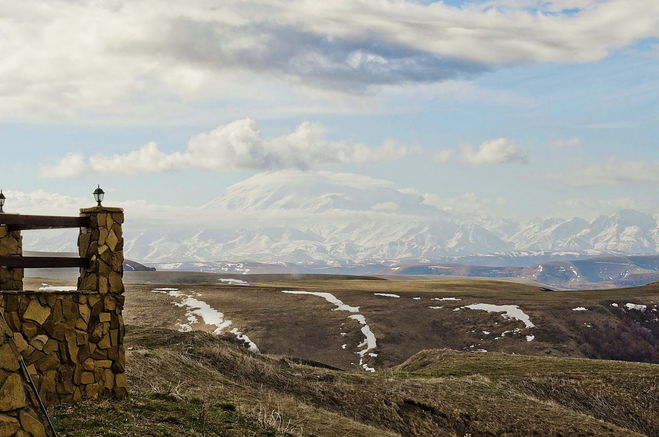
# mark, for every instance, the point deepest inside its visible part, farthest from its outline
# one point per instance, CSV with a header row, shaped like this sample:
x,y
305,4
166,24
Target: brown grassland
x,y
427,383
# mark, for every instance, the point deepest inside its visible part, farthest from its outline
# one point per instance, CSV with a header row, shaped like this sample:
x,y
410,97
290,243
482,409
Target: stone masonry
x,y
71,341
103,244
19,415
11,244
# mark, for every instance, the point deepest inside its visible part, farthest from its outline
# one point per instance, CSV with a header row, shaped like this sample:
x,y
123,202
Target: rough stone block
x,y
8,425
8,360
12,393
87,378
31,424
36,312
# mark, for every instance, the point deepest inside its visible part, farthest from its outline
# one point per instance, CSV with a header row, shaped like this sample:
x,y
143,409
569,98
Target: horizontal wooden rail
x,y
34,262
18,222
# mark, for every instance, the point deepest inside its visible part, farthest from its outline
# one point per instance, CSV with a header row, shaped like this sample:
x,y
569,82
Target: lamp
x,y
2,201
98,195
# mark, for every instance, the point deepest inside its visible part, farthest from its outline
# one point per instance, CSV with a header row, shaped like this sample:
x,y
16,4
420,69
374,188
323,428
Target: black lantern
x,y
98,195
2,201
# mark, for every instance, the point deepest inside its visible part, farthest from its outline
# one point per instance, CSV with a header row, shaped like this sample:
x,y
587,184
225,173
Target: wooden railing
x,y
19,222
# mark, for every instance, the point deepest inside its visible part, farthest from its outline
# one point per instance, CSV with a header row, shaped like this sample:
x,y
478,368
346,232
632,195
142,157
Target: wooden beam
x,y
18,222
33,262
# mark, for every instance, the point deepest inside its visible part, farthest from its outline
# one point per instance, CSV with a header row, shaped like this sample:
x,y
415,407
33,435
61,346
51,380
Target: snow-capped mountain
x,y
322,217
626,231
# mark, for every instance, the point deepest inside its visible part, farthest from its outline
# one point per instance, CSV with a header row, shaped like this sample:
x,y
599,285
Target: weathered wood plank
x,y
29,222
34,262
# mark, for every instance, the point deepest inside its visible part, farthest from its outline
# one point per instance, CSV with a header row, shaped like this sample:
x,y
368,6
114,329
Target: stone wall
x,y
72,342
19,415
11,244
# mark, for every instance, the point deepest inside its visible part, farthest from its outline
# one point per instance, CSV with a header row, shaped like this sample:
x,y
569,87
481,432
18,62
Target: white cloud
x,y
590,208
122,60
442,156
569,143
611,172
493,152
234,146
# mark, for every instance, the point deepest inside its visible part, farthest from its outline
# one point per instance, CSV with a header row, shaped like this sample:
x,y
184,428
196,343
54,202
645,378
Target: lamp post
x,y
2,202
98,195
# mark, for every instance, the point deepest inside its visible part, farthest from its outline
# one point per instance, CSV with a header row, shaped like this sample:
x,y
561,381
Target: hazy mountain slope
x,y
614,270
321,217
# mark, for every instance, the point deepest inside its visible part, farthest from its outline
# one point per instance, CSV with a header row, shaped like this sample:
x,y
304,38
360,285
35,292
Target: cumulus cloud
x,y
493,152
614,171
569,143
112,59
235,146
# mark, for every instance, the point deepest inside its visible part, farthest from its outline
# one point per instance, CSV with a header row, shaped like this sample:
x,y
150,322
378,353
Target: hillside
x,y
364,324
194,384
596,272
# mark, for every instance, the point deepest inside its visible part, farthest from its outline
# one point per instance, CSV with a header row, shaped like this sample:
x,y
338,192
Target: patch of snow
x,y
588,325
486,332
435,308
614,305
530,337
416,298
633,306
369,343
579,309
445,298
210,316
233,281
329,297
46,287
509,312
244,338
480,350
386,294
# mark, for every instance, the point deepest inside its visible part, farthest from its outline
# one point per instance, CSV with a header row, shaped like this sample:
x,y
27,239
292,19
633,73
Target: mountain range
x,y
342,219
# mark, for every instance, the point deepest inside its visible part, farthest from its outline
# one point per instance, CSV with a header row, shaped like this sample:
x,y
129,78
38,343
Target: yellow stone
x,y
87,378
8,426
36,312
120,380
31,424
112,240
105,342
104,317
8,360
12,393
39,341
20,342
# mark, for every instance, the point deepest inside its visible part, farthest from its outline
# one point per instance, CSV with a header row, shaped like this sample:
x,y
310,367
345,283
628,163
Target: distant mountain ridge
x,y
340,219
614,270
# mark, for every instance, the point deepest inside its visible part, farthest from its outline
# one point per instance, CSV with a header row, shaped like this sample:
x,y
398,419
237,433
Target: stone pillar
x,y
103,243
11,244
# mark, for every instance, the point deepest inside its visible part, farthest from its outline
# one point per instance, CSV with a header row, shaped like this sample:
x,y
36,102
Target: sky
x,y
524,108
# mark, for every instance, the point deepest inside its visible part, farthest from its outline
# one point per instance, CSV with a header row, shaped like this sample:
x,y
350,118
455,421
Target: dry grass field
x,y
319,337
194,384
